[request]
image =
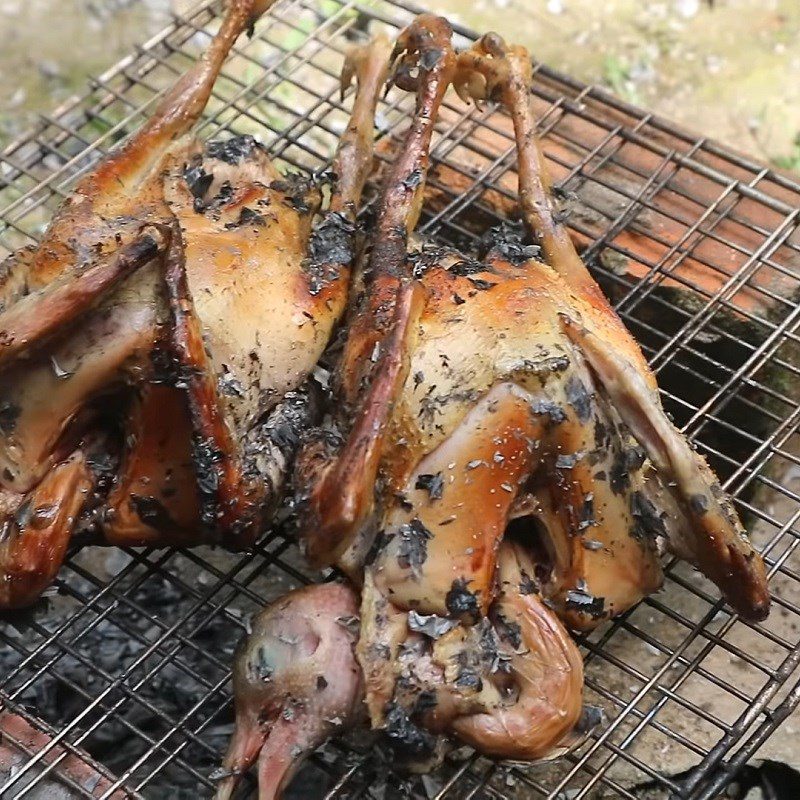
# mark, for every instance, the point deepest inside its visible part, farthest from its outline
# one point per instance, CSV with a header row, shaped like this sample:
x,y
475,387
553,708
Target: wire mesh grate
x,y
127,669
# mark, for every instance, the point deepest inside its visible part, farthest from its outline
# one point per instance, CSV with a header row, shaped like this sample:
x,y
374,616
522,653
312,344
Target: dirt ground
x,y
726,68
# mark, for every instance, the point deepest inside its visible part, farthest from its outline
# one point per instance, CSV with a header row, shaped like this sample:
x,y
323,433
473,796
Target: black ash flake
x,y
404,734
233,150
332,240
567,460
247,216
152,512
547,408
432,625
591,544
198,181
543,367
427,257
481,284
602,436
433,484
412,550
578,397
413,179
351,624
330,247
527,584
460,601
508,241
647,522
581,600
626,461
466,267
294,187
699,504
587,513
469,679
508,629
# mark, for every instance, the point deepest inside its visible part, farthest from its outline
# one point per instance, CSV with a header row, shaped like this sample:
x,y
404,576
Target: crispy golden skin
x,y
177,304
491,403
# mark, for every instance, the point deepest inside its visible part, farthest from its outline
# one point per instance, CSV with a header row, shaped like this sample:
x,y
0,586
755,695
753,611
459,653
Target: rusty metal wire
x,y
130,665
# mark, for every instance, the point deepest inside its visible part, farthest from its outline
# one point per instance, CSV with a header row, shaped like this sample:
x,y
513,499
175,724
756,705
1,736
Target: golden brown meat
x,y
207,286
489,400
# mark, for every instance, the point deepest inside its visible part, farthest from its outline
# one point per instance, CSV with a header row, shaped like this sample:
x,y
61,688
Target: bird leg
x,y
374,366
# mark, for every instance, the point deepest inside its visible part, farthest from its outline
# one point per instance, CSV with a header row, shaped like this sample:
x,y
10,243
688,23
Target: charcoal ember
x,y
156,691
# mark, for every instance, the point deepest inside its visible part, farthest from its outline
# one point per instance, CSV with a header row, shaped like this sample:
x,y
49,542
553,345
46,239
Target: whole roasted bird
x,y
497,463
154,345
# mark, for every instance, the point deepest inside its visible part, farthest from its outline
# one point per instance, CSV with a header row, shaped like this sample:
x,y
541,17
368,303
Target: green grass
x,y
791,161
616,75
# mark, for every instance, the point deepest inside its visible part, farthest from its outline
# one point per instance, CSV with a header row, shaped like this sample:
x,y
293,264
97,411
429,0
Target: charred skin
x,y
201,278
296,681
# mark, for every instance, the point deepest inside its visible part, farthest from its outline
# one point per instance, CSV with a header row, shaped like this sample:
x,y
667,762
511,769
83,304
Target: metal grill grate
x,y
698,247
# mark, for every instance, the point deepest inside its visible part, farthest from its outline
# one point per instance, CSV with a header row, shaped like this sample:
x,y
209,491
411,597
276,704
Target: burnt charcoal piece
x,y
405,735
